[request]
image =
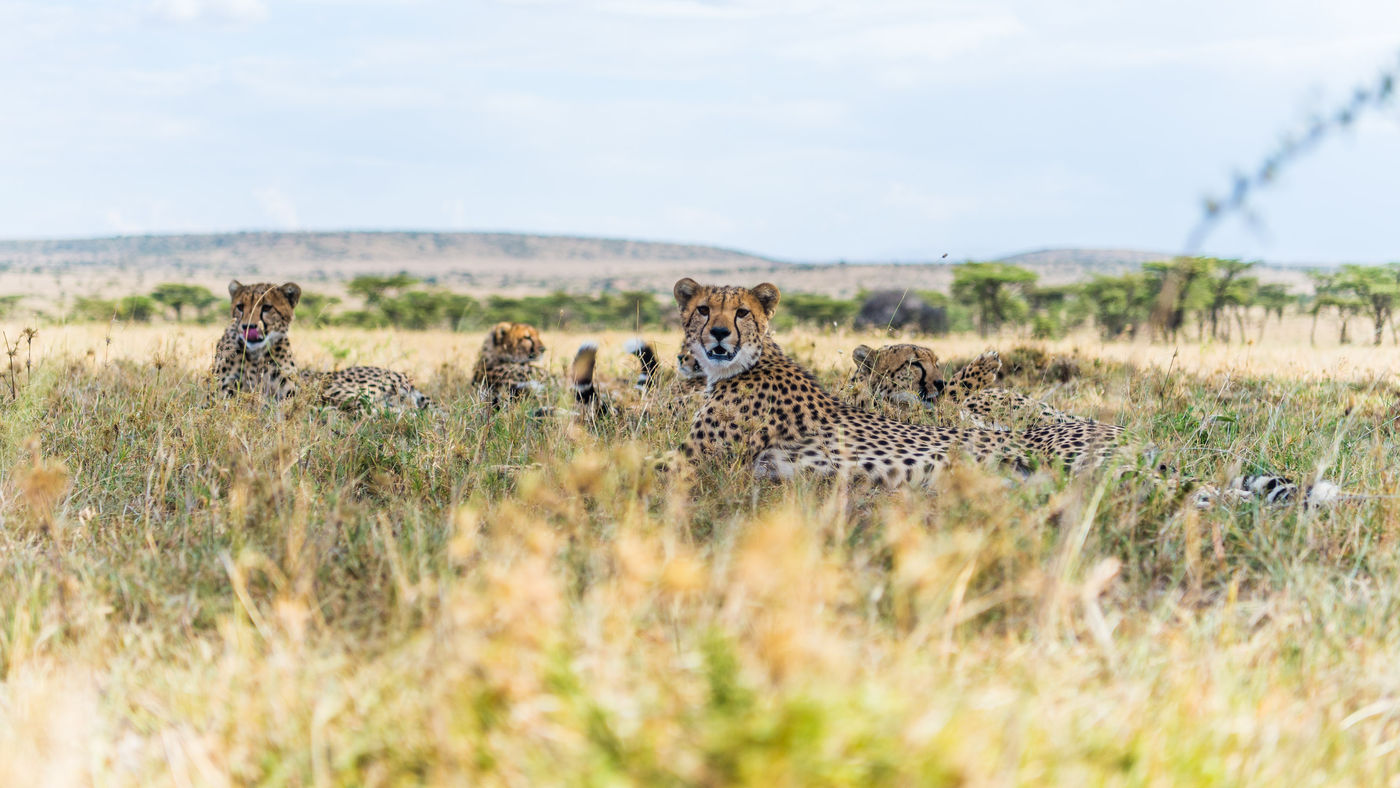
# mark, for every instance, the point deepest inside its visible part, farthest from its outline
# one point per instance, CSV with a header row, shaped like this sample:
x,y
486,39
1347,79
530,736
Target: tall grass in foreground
x,y
236,592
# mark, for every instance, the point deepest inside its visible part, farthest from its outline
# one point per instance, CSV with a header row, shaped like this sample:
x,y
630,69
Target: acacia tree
x,y
1275,298
1229,289
177,296
1049,307
1374,290
372,288
1119,303
1182,286
315,308
1330,292
996,290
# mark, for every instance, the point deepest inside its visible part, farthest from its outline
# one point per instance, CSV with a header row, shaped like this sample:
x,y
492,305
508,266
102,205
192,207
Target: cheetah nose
x,y
719,332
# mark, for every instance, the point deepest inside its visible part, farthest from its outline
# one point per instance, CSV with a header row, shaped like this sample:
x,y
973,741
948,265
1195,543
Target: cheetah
x,y
255,355
765,408
909,373
506,368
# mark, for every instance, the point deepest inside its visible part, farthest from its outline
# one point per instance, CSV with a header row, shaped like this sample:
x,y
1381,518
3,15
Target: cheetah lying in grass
x,y
764,409
910,376
908,373
506,368
255,355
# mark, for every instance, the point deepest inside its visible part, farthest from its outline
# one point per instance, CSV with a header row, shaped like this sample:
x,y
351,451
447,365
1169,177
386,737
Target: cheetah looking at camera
x,y
767,409
255,355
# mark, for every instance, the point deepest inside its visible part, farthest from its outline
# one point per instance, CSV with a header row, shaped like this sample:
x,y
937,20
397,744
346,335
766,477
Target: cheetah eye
x,y
703,310
741,313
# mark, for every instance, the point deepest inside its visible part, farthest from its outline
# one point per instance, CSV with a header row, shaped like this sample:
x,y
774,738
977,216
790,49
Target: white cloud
x,y
278,207
188,11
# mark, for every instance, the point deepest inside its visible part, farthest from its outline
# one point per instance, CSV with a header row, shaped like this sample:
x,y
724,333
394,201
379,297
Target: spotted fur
x,y
255,355
506,369
910,373
764,408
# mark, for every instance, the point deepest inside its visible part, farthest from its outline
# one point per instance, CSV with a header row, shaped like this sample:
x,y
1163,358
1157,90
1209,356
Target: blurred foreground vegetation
x,y
236,593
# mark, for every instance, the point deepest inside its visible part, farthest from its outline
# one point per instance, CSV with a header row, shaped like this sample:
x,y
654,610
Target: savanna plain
x,y
222,593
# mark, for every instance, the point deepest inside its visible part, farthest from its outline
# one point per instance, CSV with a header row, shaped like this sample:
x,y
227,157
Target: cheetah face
x,y
901,371
262,313
517,343
725,326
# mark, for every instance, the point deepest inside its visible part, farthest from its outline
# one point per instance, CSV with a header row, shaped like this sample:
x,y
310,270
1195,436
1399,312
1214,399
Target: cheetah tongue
x,y
252,335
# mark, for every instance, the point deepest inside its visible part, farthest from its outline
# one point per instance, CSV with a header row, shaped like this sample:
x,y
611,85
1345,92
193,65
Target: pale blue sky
x,y
805,130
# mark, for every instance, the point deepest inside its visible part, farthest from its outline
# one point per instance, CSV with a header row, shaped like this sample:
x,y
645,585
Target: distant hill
x,y
57,270
381,246
495,261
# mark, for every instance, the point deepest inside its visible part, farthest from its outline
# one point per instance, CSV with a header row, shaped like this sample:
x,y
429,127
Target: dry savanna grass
x,y
231,593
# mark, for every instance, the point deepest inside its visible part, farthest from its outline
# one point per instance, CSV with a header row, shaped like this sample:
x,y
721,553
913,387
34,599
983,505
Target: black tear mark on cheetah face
x,y
725,326
261,313
903,369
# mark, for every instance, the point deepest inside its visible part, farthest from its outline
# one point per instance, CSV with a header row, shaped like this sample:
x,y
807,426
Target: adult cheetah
x,y
765,408
910,373
255,355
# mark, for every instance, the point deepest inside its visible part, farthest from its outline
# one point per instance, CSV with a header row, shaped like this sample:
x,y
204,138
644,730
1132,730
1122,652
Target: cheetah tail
x,y
423,401
1270,489
646,354
581,372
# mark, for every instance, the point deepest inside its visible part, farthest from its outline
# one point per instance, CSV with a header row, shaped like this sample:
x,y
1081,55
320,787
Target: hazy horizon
x,y
757,253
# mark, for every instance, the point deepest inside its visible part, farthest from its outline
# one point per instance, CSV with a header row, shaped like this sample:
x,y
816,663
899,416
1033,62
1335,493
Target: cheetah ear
x,y
862,357
499,333
767,295
233,287
292,291
685,290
